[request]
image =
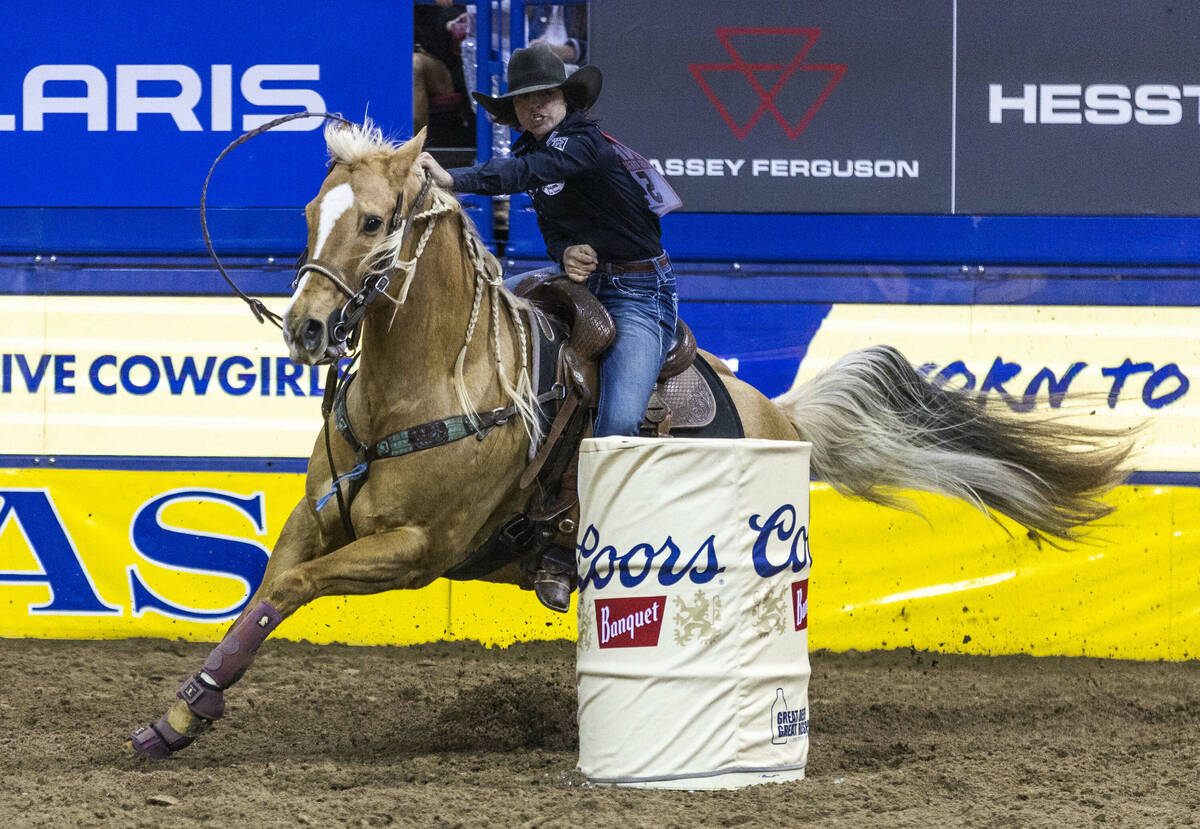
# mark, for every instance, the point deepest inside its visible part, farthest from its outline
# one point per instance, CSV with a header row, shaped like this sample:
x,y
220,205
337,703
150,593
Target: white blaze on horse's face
x,y
333,204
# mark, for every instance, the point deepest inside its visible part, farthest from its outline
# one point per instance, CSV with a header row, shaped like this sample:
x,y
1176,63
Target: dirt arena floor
x,y
458,735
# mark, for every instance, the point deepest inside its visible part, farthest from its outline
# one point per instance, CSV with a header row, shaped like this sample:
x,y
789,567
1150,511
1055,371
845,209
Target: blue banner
x,y
126,104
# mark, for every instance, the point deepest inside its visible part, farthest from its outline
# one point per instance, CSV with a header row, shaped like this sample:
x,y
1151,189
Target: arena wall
x,y
156,443
153,437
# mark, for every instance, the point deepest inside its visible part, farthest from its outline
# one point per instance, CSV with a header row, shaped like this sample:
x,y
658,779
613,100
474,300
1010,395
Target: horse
x,y
396,270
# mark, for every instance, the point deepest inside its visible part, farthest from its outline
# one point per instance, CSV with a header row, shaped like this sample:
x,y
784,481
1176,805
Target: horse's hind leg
x,y
200,700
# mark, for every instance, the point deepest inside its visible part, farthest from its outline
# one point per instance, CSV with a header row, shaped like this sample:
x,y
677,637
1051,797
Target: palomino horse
x,y
445,339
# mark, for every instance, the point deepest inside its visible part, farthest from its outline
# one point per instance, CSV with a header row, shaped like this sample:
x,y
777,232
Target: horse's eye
x,y
371,224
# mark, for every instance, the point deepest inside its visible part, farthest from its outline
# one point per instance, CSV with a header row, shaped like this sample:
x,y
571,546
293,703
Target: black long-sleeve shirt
x,y
580,189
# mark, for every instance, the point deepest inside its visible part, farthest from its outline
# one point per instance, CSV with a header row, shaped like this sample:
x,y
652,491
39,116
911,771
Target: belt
x,y
648,266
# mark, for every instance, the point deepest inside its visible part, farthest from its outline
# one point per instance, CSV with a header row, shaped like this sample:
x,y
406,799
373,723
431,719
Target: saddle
x,y
574,329
680,400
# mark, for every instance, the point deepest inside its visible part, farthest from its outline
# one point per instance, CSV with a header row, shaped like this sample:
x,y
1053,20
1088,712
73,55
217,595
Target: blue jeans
x,y
643,307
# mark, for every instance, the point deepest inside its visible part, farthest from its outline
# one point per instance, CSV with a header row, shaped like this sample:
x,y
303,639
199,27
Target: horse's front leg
x,y
385,561
392,560
200,700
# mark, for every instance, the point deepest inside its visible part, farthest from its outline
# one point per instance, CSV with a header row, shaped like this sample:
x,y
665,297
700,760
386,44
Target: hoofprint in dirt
x,y
456,734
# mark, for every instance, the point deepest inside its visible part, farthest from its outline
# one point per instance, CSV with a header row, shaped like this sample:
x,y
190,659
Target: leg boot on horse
x,y
378,562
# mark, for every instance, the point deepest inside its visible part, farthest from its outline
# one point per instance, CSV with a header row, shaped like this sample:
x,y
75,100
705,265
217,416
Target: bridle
x,y
344,322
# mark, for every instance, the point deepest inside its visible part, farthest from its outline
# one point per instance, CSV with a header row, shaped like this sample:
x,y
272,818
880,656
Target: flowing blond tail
x,y
877,426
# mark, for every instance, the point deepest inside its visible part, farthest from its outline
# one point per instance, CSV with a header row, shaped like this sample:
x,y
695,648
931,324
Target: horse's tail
x,y
876,426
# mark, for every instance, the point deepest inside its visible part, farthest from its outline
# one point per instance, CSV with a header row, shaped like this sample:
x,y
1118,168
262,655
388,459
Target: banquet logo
x,y
775,73
800,604
632,622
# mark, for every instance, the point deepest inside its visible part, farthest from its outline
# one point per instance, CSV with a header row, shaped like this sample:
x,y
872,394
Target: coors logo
x,y
599,562
632,622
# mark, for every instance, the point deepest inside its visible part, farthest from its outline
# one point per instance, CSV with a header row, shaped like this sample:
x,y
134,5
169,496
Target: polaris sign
x,y
179,104
127,104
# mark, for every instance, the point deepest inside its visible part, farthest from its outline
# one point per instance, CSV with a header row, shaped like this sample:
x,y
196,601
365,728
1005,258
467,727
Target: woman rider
x,y
594,218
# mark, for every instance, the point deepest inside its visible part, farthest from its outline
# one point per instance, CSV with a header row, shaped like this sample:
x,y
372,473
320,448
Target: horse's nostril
x,y
310,335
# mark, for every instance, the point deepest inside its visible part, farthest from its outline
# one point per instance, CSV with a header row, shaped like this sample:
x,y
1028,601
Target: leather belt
x,y
647,266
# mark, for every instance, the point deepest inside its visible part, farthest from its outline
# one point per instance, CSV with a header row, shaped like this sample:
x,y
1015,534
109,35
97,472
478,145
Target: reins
x,y
444,430
343,334
342,331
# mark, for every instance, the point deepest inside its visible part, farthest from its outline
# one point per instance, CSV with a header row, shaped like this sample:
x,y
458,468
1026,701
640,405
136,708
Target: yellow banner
x,y
1110,367
111,554
99,554
959,583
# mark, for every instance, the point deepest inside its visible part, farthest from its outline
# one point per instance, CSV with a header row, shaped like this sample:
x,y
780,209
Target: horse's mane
x,y
350,144
357,142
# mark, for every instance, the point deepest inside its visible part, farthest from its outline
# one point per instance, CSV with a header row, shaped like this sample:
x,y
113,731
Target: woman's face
x,y
540,112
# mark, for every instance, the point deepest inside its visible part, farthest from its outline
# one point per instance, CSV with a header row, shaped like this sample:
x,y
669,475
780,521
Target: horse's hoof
x,y
174,730
146,742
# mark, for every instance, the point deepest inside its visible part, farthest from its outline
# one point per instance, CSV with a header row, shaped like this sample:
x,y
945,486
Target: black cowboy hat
x,y
537,68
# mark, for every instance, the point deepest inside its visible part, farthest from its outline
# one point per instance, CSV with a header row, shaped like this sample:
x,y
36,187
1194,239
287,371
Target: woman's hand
x,y
458,26
440,177
579,261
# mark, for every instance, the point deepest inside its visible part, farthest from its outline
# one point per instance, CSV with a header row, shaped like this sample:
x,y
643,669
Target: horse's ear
x,y
405,157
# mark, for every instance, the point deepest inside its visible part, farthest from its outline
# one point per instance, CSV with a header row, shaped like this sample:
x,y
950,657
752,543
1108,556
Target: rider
x,y
595,220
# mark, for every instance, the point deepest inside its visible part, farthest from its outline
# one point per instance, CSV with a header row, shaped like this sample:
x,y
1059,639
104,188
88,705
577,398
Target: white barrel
x,y
693,567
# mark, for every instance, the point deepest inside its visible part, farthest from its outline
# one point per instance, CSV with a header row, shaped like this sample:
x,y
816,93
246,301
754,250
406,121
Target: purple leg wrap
x,y
202,699
202,692
230,659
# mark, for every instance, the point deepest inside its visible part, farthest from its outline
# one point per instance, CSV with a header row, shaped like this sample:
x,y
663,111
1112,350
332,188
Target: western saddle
x,y
573,329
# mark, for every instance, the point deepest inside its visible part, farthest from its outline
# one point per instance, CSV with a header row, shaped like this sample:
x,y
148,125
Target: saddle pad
x,y
700,404
689,399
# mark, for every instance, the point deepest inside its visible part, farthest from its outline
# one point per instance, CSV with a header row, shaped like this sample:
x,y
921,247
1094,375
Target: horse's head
x,y
371,188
